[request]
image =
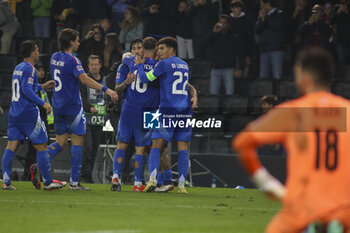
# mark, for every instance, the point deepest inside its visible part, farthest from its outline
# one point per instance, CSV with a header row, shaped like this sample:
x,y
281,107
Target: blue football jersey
x,y
174,75
140,94
65,69
24,88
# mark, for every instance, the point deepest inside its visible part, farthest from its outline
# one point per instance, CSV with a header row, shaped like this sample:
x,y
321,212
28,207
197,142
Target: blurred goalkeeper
x,y
314,131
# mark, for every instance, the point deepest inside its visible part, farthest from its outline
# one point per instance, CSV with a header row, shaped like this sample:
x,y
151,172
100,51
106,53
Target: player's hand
x,y
130,78
48,84
48,108
112,94
93,110
269,184
139,59
194,101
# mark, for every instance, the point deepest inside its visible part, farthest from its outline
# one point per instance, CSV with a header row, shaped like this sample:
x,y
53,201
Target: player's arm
x,y
87,81
120,87
269,129
28,91
194,97
152,75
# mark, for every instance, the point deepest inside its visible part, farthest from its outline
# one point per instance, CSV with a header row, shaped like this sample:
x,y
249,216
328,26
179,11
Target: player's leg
x,y
44,167
182,164
164,180
154,162
118,165
75,162
139,168
61,136
282,223
7,159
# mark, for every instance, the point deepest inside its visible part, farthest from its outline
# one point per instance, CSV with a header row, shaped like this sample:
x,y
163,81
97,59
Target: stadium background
x,y
209,147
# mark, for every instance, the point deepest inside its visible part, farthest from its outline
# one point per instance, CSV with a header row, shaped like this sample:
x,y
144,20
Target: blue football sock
x,y
182,164
153,163
167,176
139,168
54,149
7,166
75,163
118,166
160,181
44,166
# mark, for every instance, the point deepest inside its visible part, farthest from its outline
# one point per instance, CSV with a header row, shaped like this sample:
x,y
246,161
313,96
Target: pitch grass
x,y
100,210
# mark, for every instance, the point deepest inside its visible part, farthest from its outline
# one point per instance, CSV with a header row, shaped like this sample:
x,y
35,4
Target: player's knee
x,y
122,146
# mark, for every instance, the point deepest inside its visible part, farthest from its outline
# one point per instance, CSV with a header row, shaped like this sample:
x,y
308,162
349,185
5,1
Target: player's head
x,y
149,44
40,69
268,102
167,47
68,39
313,70
29,50
94,64
136,47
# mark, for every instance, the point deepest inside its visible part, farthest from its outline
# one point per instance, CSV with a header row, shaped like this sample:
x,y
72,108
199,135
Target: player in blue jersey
x,y
173,74
69,119
138,96
24,117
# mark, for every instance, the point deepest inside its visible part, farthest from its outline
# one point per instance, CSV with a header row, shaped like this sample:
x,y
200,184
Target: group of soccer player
x,y
154,79
137,81
314,129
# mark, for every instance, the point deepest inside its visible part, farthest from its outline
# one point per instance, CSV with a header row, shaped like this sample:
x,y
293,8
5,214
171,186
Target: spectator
x,y
93,11
107,26
184,32
204,15
95,110
131,27
93,43
315,32
328,13
302,13
160,18
41,12
118,10
66,14
113,51
341,22
9,25
268,102
244,39
271,39
223,58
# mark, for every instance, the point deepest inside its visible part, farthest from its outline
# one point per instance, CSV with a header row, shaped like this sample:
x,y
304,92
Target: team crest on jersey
x,y
79,68
30,80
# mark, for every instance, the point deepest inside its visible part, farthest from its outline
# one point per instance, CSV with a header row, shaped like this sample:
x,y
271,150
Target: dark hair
x,y
93,57
224,16
26,48
113,39
269,99
65,37
271,2
99,27
39,66
135,42
149,43
319,63
237,4
169,42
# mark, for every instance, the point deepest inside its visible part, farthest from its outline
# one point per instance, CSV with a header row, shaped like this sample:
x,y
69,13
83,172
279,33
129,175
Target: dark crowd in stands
x,y
240,38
